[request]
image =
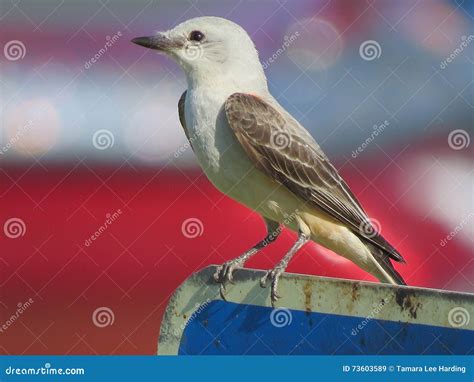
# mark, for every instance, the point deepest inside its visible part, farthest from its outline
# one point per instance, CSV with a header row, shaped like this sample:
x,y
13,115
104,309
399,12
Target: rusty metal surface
x,y
317,294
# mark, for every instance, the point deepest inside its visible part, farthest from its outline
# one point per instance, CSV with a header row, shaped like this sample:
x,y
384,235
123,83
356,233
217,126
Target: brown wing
x,y
181,102
284,150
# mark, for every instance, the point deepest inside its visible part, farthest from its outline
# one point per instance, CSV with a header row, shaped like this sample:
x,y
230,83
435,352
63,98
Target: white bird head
x,y
211,51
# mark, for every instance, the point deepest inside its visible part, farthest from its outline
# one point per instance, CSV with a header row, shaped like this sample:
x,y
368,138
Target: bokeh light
x,y
318,44
32,127
153,132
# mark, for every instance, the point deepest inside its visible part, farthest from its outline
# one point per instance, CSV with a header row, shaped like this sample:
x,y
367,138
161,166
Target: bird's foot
x,y
273,275
224,273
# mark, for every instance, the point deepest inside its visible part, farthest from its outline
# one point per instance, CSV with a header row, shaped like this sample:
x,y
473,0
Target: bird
x,y
255,152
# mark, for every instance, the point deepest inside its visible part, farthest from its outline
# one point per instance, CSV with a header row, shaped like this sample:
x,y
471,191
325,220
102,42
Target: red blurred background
x,y
60,188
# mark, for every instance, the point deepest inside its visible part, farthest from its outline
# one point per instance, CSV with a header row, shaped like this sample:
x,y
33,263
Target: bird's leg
x,y
225,271
274,274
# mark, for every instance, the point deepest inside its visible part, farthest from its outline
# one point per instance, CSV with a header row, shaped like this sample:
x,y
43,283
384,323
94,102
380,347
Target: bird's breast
x,y
225,162
217,150
215,145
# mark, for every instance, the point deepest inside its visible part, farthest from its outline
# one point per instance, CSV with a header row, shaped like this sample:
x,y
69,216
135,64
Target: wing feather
x,y
182,120
284,150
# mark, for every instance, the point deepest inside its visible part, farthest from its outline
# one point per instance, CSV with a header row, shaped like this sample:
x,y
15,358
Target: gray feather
x,y
284,150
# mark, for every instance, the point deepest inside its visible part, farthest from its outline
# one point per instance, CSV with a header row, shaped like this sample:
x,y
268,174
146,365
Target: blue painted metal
x,y
315,316
228,328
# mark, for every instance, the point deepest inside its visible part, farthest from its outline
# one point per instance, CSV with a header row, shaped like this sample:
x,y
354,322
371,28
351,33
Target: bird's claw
x,y
222,291
273,275
224,274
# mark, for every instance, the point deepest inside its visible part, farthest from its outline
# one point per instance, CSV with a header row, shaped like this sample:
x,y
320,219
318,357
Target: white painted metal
x,y
315,294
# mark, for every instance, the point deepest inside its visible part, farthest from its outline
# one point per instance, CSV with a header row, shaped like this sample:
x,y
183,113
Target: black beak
x,y
157,42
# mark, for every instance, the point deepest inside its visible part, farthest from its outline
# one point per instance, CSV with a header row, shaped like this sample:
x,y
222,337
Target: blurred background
x,y
103,209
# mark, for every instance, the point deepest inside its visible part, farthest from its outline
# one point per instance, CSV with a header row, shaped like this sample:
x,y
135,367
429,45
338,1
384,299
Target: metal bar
x,y
359,311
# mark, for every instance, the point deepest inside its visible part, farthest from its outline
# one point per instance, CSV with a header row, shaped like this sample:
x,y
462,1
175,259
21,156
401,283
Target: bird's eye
x,y
196,36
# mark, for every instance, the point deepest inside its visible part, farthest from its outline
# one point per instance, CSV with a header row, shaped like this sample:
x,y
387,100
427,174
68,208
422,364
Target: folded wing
x,y
284,150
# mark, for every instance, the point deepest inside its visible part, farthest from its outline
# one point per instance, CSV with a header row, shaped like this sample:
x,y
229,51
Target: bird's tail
x,y
387,274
